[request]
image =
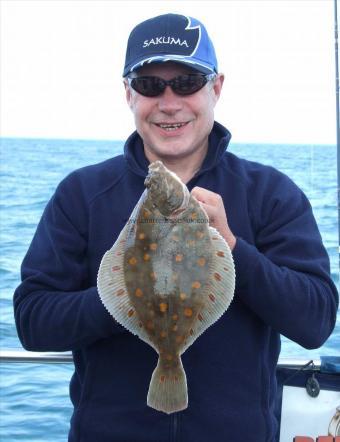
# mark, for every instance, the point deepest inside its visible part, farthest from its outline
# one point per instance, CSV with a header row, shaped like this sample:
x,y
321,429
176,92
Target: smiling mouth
x,y
171,126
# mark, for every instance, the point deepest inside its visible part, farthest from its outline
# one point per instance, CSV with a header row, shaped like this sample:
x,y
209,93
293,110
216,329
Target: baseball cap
x,y
170,37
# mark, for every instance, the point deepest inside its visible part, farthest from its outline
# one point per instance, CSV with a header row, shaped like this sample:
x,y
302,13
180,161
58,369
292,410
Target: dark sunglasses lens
x,y
188,84
181,85
148,86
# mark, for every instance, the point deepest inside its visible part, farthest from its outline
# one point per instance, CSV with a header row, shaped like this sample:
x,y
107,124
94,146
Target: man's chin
x,y
168,153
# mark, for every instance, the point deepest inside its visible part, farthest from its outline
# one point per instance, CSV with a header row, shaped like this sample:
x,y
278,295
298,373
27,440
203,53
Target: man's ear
x,y
128,94
217,87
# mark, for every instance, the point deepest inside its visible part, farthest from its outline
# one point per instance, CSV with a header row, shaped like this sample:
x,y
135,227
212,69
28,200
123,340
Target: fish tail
x,y
168,388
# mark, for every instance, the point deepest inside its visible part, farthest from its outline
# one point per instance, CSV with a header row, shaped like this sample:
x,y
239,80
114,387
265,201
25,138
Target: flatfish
x,y
167,278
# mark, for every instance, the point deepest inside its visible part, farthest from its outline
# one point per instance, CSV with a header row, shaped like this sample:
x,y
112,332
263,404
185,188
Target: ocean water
x,y
34,403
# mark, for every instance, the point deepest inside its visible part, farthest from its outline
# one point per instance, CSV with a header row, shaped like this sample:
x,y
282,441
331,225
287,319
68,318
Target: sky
x,y
61,67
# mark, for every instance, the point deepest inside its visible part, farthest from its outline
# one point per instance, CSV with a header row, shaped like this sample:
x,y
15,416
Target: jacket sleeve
x,y
285,277
55,307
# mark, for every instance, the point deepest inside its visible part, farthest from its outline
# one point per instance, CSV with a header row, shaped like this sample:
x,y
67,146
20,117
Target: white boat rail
x,y
17,355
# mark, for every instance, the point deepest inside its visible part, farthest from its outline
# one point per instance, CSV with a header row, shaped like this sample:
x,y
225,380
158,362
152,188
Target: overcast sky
x,y
61,66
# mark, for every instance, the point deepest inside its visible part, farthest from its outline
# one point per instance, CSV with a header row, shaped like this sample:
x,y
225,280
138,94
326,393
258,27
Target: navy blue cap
x,y
170,37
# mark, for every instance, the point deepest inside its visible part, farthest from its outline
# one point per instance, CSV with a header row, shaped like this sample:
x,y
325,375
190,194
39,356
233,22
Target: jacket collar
x,y
137,162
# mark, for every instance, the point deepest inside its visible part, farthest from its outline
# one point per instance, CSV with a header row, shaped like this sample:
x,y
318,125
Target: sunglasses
x,y
150,86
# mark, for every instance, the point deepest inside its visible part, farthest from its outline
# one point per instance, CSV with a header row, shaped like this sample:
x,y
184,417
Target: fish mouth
x,y
155,170
169,127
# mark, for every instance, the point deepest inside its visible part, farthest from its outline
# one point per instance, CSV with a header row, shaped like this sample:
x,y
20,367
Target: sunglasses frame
x,y
173,82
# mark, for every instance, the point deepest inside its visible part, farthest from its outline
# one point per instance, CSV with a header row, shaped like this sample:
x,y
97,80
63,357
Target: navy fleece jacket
x,y
283,287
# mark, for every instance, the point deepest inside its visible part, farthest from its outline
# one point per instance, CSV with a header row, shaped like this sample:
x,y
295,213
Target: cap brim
x,y
189,62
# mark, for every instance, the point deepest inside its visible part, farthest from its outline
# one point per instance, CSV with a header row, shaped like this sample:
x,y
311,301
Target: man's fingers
x,y
213,205
206,208
204,195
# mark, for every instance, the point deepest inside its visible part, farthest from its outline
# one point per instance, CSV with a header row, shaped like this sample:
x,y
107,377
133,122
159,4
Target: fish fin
x,y
168,389
112,289
220,288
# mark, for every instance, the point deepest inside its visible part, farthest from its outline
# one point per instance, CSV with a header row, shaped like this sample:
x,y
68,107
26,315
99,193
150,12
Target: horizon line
x,y
106,140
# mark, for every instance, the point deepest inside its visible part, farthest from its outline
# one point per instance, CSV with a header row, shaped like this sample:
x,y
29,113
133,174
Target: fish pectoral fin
x,y
168,388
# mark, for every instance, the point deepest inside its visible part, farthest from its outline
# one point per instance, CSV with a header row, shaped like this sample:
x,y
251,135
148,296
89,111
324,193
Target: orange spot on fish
x,y
153,246
120,292
163,334
215,238
174,328
179,258
188,312
220,253
175,317
191,331
191,242
217,276
179,339
133,261
115,268
141,236
146,213
175,277
130,313
139,293
182,296
153,276
163,307
194,215
200,234
200,317
162,378
146,257
169,357
175,238
212,297
201,262
196,285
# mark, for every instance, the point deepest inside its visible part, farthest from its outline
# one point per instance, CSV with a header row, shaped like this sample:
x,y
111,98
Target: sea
x,y
34,402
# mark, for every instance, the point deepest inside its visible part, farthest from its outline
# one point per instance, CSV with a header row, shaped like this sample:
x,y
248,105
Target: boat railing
x,y
17,356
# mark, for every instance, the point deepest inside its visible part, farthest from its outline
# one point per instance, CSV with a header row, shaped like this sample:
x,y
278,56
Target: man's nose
x,y
169,102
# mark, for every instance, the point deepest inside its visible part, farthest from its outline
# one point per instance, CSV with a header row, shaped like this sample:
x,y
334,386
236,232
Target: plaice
x,y
167,278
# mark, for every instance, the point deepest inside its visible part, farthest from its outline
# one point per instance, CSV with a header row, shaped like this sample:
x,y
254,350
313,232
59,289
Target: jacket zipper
x,y
174,428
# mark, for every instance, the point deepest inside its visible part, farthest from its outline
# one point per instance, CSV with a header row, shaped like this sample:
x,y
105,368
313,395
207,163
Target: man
x,y
283,284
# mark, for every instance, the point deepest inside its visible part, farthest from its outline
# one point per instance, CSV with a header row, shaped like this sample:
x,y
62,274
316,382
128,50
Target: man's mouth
x,y
170,126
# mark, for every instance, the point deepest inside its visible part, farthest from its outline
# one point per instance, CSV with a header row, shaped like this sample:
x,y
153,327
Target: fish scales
x,y
167,278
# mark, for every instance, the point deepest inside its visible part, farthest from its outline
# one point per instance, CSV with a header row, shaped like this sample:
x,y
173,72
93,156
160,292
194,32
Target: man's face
x,y
191,116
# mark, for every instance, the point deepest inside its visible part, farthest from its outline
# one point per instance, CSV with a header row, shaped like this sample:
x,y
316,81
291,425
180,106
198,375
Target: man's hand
x,y
212,203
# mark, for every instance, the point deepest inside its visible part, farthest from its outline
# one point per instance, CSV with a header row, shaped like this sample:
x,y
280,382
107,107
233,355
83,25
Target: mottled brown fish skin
x,y
167,266
163,190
